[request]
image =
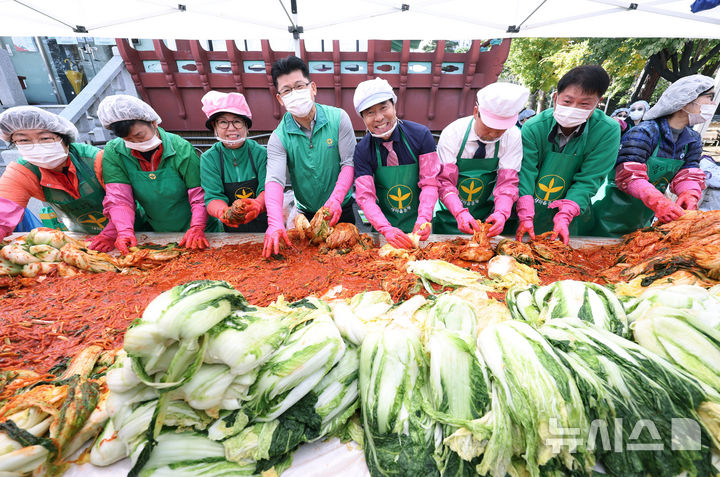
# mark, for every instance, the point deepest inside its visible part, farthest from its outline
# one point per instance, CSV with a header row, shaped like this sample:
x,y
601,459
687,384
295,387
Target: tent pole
x,y
293,9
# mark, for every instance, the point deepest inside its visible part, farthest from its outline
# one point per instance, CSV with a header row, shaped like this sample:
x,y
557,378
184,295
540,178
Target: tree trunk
x,y
540,101
648,86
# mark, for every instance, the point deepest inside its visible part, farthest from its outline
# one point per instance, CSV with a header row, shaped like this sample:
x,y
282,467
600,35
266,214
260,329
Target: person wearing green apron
x,y
662,151
481,156
313,145
567,152
53,169
234,168
396,167
158,169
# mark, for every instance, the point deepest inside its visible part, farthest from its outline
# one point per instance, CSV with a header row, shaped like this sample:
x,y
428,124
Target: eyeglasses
x,y
42,140
223,124
296,87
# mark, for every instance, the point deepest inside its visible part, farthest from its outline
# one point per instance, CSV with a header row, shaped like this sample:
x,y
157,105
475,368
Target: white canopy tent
x,y
357,19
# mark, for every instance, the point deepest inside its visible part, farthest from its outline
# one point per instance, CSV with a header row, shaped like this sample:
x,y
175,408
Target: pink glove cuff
x,y
503,205
11,213
429,165
343,184
119,206
506,184
453,204
428,199
695,194
367,200
525,207
566,206
216,208
447,180
109,230
274,204
629,176
199,218
692,179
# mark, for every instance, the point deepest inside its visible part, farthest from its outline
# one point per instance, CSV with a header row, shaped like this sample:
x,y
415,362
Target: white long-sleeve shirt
x,y
509,153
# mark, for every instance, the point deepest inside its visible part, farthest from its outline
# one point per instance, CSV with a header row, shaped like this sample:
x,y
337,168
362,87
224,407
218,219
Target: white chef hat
x,y
500,103
371,92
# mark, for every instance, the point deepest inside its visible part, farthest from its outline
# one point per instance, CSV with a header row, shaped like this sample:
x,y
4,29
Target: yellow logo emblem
x,y
661,183
552,185
244,193
470,189
329,141
400,196
152,176
94,218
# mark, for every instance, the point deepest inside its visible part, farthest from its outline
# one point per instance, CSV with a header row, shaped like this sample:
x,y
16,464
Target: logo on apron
x,y
399,197
244,193
550,187
329,142
95,218
470,190
661,183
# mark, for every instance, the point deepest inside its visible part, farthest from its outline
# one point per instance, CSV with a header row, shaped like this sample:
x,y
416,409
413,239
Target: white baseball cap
x,y
371,92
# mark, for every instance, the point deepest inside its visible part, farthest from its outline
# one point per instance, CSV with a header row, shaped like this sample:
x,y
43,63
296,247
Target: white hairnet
x,y
122,107
680,93
372,92
31,117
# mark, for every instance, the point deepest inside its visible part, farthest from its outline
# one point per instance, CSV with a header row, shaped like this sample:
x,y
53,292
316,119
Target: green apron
x,y
554,178
84,214
619,213
476,178
397,190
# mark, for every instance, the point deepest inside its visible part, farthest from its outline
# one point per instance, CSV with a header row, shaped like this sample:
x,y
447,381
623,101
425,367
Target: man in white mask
x,y
567,152
481,157
53,169
661,151
313,145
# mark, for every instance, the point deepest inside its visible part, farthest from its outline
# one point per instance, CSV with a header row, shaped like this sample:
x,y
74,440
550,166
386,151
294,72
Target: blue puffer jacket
x,y
638,144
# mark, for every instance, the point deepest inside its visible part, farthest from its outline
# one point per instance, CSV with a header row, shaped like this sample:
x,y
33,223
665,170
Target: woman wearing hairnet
x,y
159,170
234,168
54,169
663,150
636,111
396,167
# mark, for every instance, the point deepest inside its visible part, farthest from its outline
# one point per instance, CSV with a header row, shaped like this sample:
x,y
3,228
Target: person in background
x,y
524,115
620,115
477,152
160,170
567,152
234,168
636,112
396,167
663,150
314,145
711,197
55,169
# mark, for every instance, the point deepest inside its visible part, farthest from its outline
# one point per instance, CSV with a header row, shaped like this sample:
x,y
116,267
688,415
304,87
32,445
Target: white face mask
x,y
298,102
492,141
386,133
569,117
705,114
231,142
637,114
144,146
48,156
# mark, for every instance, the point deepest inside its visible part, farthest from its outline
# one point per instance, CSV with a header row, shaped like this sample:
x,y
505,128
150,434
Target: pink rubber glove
x,y
466,222
503,207
429,169
11,213
525,208
567,211
119,208
255,208
276,228
688,200
125,239
199,216
105,240
342,186
665,209
422,229
217,208
396,237
194,238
